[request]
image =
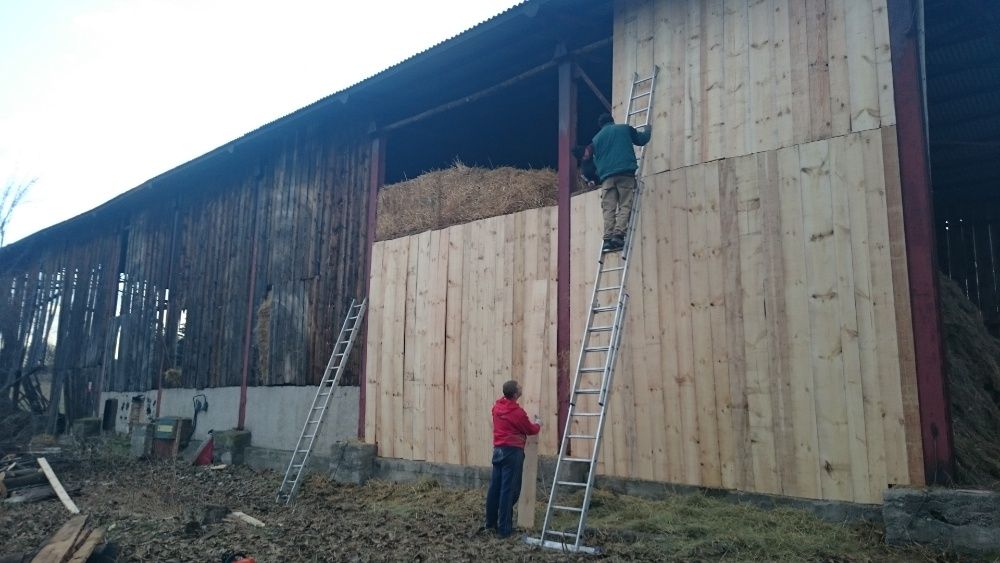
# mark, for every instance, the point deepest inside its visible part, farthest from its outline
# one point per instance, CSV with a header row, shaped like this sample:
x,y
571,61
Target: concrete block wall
x,y
275,415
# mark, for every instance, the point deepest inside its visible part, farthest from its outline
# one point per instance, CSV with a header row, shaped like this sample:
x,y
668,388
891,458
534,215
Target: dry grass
x,y
460,194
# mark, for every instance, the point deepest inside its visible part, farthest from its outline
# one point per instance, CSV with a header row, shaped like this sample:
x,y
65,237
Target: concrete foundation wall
x,y
275,415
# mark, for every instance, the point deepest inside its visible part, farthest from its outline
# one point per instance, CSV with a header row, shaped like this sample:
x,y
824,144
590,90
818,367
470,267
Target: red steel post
x,y
567,175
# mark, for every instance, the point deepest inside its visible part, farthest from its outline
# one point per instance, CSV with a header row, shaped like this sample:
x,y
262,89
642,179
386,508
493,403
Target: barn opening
x,y
962,47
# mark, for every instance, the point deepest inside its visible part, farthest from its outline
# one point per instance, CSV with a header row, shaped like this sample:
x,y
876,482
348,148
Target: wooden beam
x,y
376,177
593,88
921,248
57,486
566,178
248,333
492,89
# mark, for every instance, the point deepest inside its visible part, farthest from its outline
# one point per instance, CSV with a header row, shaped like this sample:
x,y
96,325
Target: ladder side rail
x,y
633,220
333,383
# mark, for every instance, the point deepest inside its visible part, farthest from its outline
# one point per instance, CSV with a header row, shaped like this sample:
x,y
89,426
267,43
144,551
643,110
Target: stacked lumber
x,y
27,479
74,542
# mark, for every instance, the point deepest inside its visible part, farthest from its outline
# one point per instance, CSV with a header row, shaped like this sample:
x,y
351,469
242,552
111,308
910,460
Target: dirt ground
x,y
149,509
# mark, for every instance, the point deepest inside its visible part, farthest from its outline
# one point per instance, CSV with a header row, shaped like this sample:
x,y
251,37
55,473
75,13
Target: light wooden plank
x,y
57,486
762,76
532,381
737,78
376,300
434,364
88,547
824,306
883,63
669,87
421,345
768,182
781,65
799,72
642,337
887,344
713,86
701,330
758,348
819,73
841,79
738,413
798,354
901,300
846,173
60,547
694,105
862,65
623,44
453,340
404,415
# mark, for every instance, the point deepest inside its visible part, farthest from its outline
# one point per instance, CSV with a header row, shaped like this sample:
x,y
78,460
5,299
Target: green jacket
x,y
613,152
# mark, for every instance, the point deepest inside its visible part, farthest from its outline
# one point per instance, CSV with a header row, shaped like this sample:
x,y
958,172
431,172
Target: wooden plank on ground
x,y
62,544
57,486
536,303
95,539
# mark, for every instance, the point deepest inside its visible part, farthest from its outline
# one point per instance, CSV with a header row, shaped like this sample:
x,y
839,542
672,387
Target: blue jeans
x,y
505,488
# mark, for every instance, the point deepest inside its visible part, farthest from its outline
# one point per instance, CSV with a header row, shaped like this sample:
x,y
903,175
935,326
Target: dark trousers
x,y
505,488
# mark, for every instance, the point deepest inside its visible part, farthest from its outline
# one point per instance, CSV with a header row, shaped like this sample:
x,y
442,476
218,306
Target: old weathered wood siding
x,y
182,250
769,338
456,313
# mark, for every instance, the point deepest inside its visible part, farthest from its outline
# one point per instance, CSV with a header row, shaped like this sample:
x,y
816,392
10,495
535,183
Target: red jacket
x,y
511,426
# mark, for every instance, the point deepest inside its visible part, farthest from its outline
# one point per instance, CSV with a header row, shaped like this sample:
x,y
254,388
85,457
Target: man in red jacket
x,y
511,429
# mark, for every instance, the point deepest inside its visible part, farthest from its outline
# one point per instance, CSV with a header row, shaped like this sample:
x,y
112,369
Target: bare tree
x,y
11,196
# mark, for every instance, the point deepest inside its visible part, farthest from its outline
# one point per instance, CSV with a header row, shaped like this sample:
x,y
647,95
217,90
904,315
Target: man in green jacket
x,y
614,156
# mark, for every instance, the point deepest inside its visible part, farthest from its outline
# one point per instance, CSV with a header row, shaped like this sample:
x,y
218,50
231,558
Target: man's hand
x,y
538,421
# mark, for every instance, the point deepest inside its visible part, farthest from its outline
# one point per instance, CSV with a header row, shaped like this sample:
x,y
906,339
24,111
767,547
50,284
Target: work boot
x,y
609,245
618,241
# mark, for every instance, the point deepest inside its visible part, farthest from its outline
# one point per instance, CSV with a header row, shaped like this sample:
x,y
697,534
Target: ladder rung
x,y
586,414
301,451
560,534
591,370
609,288
618,269
638,111
567,508
296,466
641,80
588,391
572,484
597,349
310,436
605,309
577,459
643,95
583,436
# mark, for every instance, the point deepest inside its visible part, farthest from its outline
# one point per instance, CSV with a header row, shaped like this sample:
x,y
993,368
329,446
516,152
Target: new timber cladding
x,y
768,343
184,253
770,339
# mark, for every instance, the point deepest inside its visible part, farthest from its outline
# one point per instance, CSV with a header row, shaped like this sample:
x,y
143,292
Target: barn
x,y
813,165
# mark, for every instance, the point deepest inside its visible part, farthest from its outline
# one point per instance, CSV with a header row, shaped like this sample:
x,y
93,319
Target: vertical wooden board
x,y
391,362
518,250
637,344
623,44
434,363
694,104
768,182
713,83
405,416
887,343
676,20
680,211
738,423
781,65
819,70
737,40
883,63
701,329
373,344
549,443
901,299
862,61
762,76
799,72
844,158
798,355
453,367
756,343
536,305
422,344
661,143
841,79
824,314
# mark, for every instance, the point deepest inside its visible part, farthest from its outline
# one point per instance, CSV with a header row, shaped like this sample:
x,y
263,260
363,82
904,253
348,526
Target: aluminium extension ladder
x,y
598,352
314,418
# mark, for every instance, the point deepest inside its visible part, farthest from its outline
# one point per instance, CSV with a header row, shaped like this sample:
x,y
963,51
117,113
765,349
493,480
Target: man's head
x,y
604,119
511,390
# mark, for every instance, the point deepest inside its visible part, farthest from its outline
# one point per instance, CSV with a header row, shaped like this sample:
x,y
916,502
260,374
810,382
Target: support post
x,y
251,290
376,178
918,218
566,176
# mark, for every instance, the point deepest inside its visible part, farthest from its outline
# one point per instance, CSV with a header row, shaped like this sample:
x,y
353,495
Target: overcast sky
x,y
97,96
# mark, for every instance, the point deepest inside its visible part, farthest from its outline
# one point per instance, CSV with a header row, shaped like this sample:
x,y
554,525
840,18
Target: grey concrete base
x,y
953,520
828,510
141,444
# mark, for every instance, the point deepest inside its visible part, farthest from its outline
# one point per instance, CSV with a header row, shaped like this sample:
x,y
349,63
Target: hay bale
x,y
974,386
460,194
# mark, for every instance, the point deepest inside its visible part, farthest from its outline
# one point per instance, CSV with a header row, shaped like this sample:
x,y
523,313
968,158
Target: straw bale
x,y
460,194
